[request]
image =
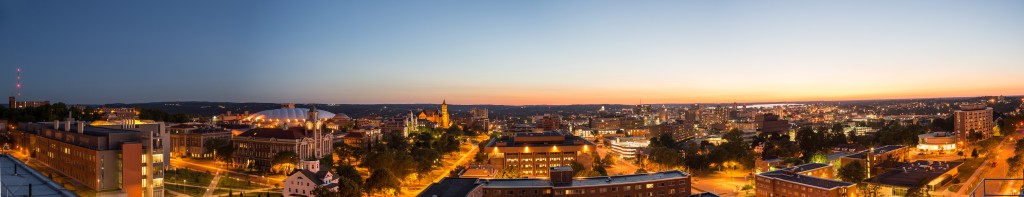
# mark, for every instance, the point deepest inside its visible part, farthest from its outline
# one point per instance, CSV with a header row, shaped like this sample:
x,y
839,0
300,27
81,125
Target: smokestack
x,y
81,127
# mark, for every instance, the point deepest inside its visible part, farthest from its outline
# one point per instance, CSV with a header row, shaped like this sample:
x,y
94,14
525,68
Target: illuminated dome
x,y
288,114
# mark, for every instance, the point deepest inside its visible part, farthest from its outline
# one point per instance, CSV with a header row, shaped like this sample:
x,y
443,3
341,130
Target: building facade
x,y
438,116
802,180
561,183
189,140
256,148
972,118
533,153
112,159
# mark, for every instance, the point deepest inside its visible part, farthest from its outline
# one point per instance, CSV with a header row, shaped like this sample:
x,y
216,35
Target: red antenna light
x,y
17,86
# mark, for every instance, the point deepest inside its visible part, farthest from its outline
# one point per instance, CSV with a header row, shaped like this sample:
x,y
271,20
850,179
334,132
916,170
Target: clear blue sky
x,y
510,52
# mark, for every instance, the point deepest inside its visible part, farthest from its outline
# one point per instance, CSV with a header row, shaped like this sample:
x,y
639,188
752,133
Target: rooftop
x,y
450,187
879,150
791,174
590,181
914,174
17,184
705,194
524,139
806,167
806,180
290,133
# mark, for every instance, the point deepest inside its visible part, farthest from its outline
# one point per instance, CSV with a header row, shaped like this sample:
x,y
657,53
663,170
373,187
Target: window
x,y
650,185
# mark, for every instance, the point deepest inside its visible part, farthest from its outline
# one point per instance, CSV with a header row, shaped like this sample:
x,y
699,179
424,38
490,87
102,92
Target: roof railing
x,y
984,185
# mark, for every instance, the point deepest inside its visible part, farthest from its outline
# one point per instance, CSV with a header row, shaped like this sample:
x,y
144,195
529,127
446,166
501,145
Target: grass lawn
x,y
189,190
191,176
236,185
187,177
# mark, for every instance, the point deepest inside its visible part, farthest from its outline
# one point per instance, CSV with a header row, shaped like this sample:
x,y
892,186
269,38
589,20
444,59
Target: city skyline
x,y
515,53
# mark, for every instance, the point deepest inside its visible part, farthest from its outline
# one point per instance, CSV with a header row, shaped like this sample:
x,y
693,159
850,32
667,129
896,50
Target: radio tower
x,y
17,86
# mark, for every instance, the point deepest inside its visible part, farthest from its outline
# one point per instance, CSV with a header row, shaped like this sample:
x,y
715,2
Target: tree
x,y
576,167
809,140
327,161
398,162
854,172
601,170
665,157
587,173
425,159
819,158
221,148
383,181
323,191
349,172
509,173
284,162
349,188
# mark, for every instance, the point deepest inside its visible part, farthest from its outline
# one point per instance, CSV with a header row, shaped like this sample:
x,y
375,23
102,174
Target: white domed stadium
x,y
287,115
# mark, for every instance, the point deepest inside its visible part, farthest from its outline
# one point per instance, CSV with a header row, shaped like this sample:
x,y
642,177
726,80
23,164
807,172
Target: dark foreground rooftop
x,y
591,181
914,174
791,174
450,187
16,178
462,186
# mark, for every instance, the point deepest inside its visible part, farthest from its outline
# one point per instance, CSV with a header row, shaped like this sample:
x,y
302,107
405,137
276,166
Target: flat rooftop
x,y
806,167
915,174
807,180
787,174
590,181
17,184
568,140
879,150
450,187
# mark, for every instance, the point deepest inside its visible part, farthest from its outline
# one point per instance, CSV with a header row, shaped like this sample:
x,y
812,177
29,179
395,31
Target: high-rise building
x,y
15,104
972,119
771,123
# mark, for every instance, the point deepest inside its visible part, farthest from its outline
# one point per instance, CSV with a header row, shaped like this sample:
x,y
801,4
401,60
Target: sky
x,y
509,52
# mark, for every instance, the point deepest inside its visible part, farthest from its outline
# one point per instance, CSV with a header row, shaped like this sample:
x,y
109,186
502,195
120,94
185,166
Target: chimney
x,y
67,125
56,124
81,127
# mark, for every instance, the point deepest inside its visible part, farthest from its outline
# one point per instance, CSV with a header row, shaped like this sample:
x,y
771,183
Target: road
x,y
443,171
180,163
1009,186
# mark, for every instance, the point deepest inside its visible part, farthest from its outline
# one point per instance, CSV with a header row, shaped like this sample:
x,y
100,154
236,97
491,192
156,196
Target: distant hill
x,y
359,110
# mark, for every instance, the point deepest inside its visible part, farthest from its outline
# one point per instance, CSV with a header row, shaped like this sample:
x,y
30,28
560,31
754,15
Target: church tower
x,y
445,120
313,125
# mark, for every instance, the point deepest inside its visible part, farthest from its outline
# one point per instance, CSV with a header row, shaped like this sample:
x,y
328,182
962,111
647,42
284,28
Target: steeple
x,y
312,114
